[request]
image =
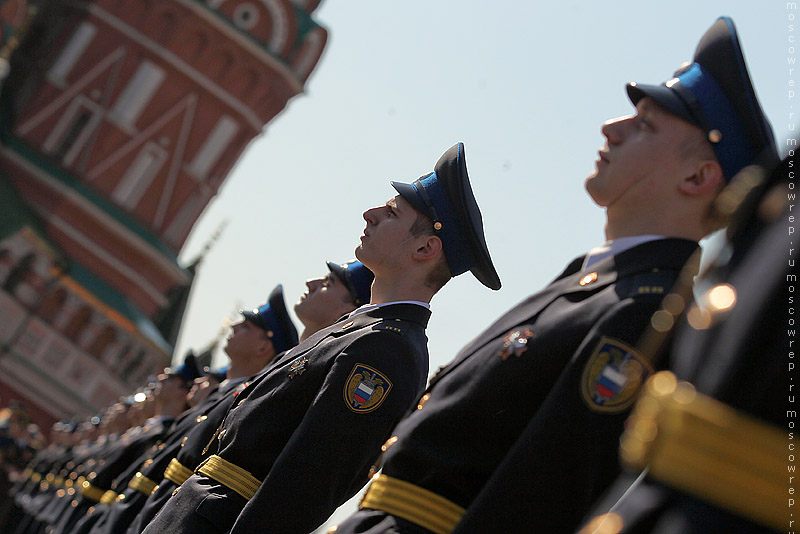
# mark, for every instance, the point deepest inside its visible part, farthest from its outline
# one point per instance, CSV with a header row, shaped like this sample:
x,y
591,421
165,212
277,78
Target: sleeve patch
x,y
366,389
613,376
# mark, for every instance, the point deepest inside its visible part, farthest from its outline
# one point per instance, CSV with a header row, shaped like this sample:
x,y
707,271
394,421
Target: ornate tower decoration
x,y
120,121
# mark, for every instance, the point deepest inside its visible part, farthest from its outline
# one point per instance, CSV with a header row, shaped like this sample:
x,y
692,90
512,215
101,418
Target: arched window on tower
x,y
134,98
139,176
71,52
24,282
213,147
53,303
77,323
73,130
106,336
19,272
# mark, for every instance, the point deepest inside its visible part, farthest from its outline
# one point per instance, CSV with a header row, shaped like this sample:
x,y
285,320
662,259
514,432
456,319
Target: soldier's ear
x,y
265,347
707,178
428,249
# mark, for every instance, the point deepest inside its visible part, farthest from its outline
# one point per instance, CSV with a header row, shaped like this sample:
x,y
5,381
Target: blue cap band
x,y
360,279
272,324
708,102
457,251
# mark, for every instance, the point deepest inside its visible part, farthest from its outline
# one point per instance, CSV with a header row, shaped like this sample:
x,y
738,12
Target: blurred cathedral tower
x,y
119,121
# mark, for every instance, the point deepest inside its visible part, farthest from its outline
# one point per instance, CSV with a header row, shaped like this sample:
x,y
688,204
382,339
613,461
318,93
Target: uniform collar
x,y
229,383
369,307
614,247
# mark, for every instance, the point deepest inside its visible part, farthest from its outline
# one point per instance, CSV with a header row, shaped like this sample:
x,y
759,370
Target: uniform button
x,y
389,442
147,463
423,400
162,446
183,441
201,418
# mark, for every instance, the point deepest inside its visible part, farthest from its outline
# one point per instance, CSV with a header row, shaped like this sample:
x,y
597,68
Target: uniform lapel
x,y
641,258
523,311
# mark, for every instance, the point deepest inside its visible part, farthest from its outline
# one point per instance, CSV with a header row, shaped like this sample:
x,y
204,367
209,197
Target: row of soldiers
x,y
521,431
100,473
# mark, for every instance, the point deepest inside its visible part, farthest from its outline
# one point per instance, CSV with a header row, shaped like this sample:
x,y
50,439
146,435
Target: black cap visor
x,y
408,192
664,97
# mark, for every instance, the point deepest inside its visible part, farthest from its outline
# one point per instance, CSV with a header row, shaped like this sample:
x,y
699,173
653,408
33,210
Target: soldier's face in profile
x,y
200,389
643,158
170,386
387,241
325,300
244,338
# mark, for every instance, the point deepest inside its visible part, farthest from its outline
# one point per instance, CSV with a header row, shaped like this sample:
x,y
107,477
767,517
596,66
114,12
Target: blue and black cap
x,y
218,374
715,93
273,318
188,370
356,277
446,197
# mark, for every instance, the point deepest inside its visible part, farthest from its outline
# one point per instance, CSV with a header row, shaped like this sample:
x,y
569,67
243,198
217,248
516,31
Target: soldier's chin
x,y
591,190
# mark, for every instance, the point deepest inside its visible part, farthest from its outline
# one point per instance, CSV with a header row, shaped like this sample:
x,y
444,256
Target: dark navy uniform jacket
x,y
537,371
52,504
189,450
311,426
116,517
116,460
740,360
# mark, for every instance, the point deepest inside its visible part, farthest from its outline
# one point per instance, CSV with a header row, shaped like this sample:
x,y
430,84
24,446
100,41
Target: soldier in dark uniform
x,y
56,483
252,344
330,296
95,438
169,402
300,439
726,467
520,432
109,443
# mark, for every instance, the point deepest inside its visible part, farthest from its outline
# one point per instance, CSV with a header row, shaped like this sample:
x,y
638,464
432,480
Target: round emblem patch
x,y
365,389
612,376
